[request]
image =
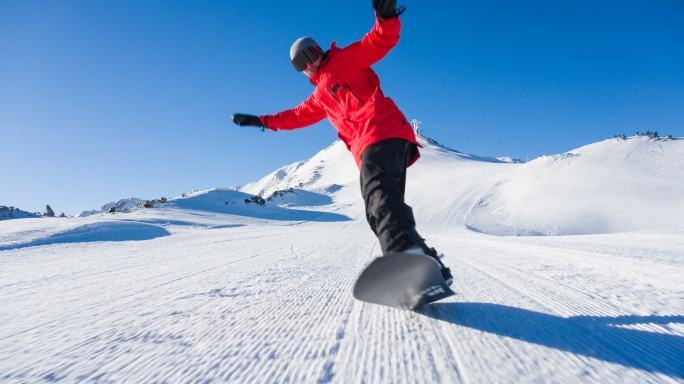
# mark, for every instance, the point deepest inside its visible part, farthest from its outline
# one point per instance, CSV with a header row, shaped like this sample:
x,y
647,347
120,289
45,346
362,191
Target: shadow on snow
x,y
599,337
182,223
105,231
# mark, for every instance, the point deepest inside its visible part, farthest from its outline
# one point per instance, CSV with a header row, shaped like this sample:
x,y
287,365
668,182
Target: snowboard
x,y
403,281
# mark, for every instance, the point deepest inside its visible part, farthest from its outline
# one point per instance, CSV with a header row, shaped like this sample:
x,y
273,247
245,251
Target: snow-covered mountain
x,y
232,202
615,185
334,167
329,168
127,205
611,186
254,285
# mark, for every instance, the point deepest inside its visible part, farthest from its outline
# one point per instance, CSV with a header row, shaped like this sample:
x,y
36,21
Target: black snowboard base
x,y
402,281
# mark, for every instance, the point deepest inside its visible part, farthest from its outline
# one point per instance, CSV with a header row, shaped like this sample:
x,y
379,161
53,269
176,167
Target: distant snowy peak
x,y
335,166
133,204
123,206
331,167
8,213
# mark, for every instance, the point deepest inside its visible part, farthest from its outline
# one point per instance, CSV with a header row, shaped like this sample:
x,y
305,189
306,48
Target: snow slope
x,y
207,288
233,203
611,186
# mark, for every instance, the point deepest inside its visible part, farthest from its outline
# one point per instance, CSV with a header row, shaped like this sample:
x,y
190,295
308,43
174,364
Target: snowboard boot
x,y
421,248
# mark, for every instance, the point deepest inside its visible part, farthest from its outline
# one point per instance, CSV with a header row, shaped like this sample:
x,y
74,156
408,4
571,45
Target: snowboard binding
x,y
429,251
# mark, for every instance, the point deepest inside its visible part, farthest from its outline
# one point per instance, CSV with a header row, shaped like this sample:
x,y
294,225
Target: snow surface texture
x,y
207,288
612,186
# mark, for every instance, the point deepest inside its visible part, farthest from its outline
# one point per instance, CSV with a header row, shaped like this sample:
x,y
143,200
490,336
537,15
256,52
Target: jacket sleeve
x,y
375,44
307,113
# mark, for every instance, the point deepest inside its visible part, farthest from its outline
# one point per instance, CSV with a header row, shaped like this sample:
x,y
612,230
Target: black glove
x,y
387,9
246,120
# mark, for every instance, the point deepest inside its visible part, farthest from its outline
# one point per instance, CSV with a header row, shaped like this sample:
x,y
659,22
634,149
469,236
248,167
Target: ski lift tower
x,y
416,125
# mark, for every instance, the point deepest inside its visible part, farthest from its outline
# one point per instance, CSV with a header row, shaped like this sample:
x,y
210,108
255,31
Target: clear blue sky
x,y
101,100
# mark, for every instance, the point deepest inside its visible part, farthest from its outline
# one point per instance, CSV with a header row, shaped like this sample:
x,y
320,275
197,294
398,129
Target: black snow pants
x,y
383,182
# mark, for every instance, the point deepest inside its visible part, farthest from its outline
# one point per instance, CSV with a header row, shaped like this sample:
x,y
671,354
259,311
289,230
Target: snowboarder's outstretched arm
x,y
379,41
307,113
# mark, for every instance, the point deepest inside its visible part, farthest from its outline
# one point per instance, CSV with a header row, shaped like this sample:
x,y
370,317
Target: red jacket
x,y
348,93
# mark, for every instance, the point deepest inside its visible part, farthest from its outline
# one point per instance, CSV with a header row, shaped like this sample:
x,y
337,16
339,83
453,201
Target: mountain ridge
x,y
614,185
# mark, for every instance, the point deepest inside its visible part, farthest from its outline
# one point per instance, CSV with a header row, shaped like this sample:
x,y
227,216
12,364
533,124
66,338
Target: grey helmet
x,y
304,50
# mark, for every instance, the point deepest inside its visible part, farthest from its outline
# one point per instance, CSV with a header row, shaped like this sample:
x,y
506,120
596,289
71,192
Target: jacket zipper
x,y
353,93
330,91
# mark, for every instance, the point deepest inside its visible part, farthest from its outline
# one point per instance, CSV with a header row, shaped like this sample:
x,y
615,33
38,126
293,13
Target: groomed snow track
x,y
273,303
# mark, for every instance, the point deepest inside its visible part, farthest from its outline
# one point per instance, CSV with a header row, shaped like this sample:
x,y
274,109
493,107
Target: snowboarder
x,y
371,125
